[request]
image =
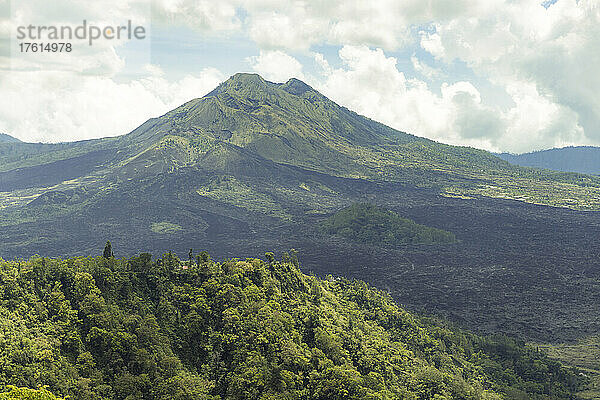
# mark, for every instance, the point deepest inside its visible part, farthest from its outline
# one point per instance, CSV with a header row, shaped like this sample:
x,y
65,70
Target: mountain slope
x,y
141,329
278,122
256,165
4,138
293,124
582,159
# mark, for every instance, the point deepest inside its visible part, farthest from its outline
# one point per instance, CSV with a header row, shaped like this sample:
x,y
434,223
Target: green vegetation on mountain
x,y
249,127
246,121
165,228
584,355
106,328
368,223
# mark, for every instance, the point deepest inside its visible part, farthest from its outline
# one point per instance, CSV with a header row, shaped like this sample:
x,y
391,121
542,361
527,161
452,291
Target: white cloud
x,y
460,89
507,43
554,51
384,23
277,66
424,69
273,30
154,70
546,60
299,25
472,121
537,123
370,83
207,16
322,63
54,106
370,23
432,42
98,59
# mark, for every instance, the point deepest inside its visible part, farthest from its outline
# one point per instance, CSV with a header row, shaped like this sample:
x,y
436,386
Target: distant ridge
x,y
4,138
581,159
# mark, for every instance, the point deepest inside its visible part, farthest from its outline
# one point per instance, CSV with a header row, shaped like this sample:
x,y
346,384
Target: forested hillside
x,y
105,328
367,223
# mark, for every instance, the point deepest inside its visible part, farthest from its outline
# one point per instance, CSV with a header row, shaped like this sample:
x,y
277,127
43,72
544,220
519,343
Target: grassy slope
x,y
585,355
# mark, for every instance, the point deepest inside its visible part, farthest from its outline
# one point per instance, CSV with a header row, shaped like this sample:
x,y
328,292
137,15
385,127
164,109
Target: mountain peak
x,y
252,85
244,83
246,77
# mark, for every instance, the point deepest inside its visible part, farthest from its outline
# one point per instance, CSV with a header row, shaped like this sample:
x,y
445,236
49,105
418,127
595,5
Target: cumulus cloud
x,y
371,83
384,23
52,106
471,119
424,69
432,42
544,58
298,25
98,59
551,53
272,30
276,66
207,16
537,122
516,43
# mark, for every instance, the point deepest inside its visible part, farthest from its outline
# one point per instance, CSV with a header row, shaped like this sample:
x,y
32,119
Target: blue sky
x,y
503,75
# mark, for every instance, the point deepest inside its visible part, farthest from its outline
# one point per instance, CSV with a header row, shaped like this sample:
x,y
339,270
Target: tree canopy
x,y
97,328
372,224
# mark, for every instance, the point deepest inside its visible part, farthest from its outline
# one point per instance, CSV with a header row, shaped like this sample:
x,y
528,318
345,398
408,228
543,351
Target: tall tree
x,y
108,250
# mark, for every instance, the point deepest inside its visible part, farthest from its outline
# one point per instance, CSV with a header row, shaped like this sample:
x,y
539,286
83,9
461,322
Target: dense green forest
x,y
368,223
106,328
